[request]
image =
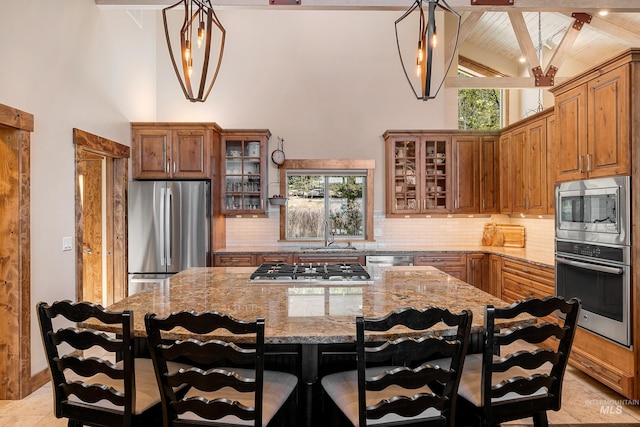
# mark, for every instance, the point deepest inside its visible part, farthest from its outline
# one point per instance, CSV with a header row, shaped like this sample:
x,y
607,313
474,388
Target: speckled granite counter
x,y
306,314
544,258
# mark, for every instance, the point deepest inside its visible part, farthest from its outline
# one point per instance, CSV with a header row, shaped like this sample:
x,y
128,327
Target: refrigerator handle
x,y
169,226
163,260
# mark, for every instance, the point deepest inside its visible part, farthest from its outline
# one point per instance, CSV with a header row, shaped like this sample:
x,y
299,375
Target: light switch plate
x,y
67,244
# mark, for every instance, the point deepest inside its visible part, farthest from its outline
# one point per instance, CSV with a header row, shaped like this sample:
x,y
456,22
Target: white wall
x,y
71,66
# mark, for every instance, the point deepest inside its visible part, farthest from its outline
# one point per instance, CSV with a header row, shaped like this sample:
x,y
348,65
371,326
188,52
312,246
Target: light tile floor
x,y
585,402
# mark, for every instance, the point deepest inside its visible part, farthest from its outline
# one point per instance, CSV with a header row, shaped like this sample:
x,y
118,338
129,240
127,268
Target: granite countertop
x,y
305,314
540,257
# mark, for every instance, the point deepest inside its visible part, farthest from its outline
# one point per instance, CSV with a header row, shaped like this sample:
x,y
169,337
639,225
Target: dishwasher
x,y
374,261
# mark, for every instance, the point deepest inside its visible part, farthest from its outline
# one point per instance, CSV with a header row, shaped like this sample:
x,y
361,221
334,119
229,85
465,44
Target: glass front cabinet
x,y
244,172
418,171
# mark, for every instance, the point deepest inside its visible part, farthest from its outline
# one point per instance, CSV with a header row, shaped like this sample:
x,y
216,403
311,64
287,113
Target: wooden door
x,y
190,154
608,140
477,272
404,175
505,189
489,174
466,187
571,137
15,258
494,286
536,173
151,153
551,193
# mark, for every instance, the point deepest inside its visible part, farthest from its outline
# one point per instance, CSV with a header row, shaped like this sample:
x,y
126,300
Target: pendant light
x,y
195,40
424,12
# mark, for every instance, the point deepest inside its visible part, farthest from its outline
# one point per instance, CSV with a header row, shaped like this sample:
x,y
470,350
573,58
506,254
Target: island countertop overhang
x,y
303,314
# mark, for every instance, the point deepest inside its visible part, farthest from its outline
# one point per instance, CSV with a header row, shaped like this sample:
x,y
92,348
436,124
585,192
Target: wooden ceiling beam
x,y
458,5
524,39
495,82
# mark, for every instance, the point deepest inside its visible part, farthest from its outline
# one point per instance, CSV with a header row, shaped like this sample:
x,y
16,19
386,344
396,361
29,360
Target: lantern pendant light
x,y
421,81
193,68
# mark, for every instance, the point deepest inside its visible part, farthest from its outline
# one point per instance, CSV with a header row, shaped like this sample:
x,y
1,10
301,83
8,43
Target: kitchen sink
x,y
331,248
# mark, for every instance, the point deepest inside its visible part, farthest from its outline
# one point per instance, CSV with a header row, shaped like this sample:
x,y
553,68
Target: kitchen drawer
x,y
441,259
602,371
235,260
275,258
522,280
453,263
329,259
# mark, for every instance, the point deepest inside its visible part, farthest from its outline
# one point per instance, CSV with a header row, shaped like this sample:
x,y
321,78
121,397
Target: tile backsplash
x,y
427,232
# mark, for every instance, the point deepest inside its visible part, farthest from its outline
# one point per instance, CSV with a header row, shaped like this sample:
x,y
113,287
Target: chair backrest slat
x,y
213,364
75,394
408,358
544,363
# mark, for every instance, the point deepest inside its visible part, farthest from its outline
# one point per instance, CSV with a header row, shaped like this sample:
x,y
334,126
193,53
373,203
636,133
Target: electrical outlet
x,y
67,244
377,232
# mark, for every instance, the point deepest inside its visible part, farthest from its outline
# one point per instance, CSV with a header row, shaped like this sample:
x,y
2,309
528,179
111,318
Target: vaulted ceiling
x,y
513,29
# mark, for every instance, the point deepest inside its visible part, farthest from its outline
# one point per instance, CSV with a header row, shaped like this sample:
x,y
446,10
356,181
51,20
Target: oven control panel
x,y
590,250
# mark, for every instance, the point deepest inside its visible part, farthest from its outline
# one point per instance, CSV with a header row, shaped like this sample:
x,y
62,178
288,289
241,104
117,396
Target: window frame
x,y
330,166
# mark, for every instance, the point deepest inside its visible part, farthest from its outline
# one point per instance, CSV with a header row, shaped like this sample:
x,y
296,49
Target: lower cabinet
x,y
522,280
608,363
452,263
494,283
328,258
235,260
478,271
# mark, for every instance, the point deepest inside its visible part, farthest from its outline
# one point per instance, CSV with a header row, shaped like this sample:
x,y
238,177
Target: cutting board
x,y
514,235
509,235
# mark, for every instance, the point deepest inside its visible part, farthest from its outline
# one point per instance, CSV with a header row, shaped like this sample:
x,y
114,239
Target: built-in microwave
x,y
594,210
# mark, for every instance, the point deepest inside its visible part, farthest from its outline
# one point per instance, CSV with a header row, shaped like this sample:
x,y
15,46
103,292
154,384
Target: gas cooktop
x,y
343,274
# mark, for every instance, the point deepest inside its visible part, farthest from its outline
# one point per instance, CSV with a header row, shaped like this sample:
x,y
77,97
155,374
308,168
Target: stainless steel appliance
x,y
601,277
314,274
169,229
594,210
375,261
593,253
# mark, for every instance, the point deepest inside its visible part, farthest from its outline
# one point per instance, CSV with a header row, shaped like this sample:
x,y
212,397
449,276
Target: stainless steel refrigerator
x,y
169,230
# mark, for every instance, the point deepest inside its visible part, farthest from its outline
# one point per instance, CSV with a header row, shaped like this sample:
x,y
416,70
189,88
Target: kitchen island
x,y
309,328
306,314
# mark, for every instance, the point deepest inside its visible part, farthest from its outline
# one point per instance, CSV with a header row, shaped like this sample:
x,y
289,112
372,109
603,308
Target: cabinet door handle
x,y
166,167
588,162
580,163
174,167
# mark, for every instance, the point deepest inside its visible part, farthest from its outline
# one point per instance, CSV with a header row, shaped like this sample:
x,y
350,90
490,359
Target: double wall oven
x,y
593,253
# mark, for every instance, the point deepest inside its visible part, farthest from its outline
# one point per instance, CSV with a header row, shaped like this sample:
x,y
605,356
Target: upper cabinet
x,y
172,150
593,121
244,172
418,170
524,156
441,172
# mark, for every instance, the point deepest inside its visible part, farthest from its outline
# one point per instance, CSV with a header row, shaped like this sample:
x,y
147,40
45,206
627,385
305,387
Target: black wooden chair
x,y
110,389
526,381
226,384
395,383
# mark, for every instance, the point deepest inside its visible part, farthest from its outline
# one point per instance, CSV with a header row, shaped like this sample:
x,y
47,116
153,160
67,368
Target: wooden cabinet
x,y
418,169
478,271
605,361
524,184
489,174
441,172
172,150
494,285
453,263
274,258
522,280
235,260
505,200
466,186
593,113
244,172
329,258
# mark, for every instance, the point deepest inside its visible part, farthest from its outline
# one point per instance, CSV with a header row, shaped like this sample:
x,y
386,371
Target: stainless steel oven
x,y
600,275
594,210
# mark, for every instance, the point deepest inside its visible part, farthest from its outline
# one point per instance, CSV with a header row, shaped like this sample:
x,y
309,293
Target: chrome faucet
x,y
329,236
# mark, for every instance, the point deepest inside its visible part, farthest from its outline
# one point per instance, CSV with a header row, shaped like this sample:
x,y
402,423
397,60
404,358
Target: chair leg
x,y
540,419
